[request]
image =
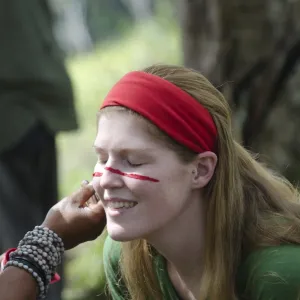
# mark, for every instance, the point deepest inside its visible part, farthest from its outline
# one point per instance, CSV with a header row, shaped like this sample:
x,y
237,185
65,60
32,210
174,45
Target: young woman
x,y
190,213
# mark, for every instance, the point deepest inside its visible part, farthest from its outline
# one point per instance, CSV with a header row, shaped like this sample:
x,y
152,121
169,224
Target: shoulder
x,y
270,273
111,262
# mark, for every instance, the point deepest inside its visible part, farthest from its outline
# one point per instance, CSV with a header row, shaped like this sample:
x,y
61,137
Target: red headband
x,y
171,109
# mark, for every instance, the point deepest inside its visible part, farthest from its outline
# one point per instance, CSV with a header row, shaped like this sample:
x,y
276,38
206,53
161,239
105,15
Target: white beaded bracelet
x,y
39,253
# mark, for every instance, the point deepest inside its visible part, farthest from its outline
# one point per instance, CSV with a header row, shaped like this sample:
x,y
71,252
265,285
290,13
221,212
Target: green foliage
x,y
93,75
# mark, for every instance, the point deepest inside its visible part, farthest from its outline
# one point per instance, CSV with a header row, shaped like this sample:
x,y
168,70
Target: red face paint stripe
x,y
97,174
130,175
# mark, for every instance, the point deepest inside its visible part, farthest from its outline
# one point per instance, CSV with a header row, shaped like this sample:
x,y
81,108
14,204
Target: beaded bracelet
x,y
39,253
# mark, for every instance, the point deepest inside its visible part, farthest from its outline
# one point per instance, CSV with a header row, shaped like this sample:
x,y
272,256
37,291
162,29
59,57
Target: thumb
x,y
83,195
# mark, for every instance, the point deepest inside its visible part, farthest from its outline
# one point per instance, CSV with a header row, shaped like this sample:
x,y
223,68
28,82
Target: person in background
x,y
36,102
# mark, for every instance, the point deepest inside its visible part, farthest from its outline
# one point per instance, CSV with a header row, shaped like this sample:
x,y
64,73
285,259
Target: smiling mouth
x,y
120,204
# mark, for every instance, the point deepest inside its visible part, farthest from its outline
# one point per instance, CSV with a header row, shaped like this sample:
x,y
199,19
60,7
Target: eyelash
x,y
134,165
101,162
131,164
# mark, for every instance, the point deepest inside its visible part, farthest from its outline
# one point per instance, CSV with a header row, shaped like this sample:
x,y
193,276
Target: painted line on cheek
x,y
97,174
130,175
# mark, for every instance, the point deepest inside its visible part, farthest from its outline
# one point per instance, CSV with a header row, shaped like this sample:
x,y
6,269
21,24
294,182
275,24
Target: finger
x,y
84,183
92,200
97,197
83,195
97,209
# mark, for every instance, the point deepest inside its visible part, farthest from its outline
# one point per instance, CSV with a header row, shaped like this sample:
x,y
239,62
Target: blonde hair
x,y
249,205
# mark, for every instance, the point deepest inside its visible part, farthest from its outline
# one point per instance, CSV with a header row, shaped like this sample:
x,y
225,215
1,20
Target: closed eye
x,y
133,164
101,161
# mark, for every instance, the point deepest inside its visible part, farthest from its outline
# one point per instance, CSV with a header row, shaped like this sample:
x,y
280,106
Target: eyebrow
x,y
125,150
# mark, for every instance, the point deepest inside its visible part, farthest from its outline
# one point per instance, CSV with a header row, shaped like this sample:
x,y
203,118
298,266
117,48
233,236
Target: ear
x,y
203,168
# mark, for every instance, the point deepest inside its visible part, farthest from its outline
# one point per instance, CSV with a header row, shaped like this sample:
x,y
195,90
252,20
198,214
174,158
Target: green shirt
x,y
271,273
34,84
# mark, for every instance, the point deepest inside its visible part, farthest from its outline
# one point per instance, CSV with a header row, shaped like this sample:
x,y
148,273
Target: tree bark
x,y
250,50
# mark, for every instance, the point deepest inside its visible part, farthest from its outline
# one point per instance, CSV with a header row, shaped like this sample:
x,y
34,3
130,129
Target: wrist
x,y
18,282
6,258
38,253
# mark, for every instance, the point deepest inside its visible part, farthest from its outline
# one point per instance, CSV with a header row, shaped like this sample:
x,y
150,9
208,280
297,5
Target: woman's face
x,y
142,184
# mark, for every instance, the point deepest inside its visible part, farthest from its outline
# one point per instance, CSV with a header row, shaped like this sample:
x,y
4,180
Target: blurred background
x,y
249,50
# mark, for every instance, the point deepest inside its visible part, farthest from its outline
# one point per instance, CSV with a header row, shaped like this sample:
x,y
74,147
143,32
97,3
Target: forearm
x,y
17,284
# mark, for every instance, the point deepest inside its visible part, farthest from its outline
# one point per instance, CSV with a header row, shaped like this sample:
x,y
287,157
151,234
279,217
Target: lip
x,y
117,200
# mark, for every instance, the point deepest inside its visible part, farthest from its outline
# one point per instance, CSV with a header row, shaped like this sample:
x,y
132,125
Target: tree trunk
x,y
249,50
141,10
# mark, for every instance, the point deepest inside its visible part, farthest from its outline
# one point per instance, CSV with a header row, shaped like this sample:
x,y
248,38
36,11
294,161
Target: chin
x,y
121,234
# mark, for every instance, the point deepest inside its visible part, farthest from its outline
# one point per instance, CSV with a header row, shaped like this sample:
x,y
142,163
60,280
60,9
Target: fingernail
x,y
84,182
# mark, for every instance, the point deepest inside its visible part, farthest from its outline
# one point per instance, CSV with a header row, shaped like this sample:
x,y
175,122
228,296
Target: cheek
x,y
143,191
98,168
147,189
166,184
174,179
139,187
174,187
96,180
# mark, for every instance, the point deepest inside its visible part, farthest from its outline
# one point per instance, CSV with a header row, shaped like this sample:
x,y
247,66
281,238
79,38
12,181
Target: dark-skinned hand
x,y
77,218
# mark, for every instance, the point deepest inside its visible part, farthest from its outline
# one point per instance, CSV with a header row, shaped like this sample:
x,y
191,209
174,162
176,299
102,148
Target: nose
x,y
110,180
